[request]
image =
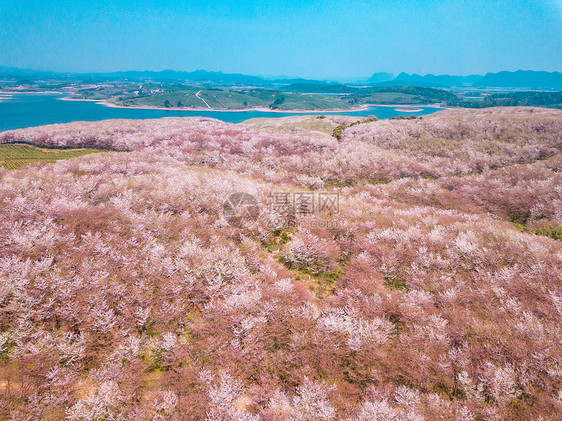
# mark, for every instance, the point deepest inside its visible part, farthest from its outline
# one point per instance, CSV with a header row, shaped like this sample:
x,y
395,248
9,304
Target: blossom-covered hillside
x,y
432,292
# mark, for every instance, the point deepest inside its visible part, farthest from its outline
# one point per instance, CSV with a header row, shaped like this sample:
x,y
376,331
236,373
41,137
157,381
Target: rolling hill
x,y
424,284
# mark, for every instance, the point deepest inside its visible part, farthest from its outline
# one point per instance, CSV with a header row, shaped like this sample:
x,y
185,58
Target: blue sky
x,y
321,39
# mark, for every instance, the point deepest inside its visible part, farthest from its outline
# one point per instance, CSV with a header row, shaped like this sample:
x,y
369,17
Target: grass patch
x,y
551,232
321,283
15,155
395,283
280,238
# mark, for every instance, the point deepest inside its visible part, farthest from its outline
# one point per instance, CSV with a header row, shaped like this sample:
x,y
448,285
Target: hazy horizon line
x,y
273,77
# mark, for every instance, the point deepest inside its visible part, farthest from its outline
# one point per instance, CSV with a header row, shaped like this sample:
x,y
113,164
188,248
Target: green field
x,y
15,155
388,98
234,99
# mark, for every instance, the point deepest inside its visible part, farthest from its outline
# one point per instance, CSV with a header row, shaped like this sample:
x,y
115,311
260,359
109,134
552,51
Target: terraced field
x,y
16,155
233,100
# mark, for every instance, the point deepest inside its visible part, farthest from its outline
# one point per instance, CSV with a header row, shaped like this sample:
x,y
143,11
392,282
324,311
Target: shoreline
x,y
199,109
32,93
405,106
405,110
80,99
398,107
365,107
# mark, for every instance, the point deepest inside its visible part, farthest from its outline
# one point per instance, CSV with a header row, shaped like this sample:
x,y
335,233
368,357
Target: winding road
x,y
197,95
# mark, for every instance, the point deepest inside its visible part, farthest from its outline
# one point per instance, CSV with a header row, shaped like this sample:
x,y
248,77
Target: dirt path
x,y
220,102
197,95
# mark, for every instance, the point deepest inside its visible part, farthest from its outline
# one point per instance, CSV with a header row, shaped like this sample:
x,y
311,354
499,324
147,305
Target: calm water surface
x,y
26,110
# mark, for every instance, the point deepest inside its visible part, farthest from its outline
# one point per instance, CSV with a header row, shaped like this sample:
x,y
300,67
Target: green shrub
x,y
338,131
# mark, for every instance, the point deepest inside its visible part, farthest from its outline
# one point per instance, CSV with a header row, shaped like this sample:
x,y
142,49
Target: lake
x,y
26,110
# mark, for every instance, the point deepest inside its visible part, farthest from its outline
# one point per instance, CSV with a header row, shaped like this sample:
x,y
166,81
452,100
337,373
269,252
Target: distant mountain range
x,y
433,81
319,87
134,75
15,73
380,77
197,76
172,75
523,79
